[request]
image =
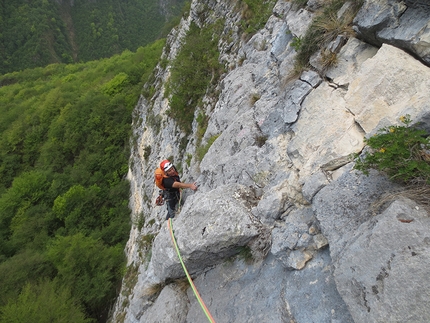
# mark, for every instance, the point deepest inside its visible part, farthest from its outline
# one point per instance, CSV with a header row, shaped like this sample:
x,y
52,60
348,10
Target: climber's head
x,y
168,166
164,163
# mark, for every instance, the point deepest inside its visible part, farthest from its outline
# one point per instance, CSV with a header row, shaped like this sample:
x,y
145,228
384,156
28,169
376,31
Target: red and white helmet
x,y
166,165
164,162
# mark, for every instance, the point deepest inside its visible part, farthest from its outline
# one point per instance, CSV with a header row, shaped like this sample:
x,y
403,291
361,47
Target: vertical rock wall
x,y
278,181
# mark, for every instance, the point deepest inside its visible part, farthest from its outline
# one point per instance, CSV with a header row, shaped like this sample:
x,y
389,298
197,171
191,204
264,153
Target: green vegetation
x,y
296,43
59,305
255,14
260,139
402,152
245,254
64,217
41,32
146,241
202,150
202,125
300,3
325,27
194,71
109,27
32,34
139,222
188,159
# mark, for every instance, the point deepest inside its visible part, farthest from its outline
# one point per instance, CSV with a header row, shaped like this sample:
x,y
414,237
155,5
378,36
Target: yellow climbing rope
x,y
196,293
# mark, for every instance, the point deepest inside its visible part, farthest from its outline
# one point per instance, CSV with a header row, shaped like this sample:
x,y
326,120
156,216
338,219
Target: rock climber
x,y
173,185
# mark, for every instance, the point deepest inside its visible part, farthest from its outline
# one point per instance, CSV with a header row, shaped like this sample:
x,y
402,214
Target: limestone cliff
x,y
278,179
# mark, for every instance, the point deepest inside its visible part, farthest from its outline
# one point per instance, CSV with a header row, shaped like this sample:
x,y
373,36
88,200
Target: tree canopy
x,y
41,32
64,217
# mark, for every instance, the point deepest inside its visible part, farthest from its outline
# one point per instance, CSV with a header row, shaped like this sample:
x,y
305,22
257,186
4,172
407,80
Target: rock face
x,y
386,284
278,182
406,93
403,24
213,227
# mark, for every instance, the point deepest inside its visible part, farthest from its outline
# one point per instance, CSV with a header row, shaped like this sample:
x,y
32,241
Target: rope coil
x,y
196,293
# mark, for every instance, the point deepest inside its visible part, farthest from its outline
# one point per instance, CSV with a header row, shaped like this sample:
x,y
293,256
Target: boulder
x,y
390,84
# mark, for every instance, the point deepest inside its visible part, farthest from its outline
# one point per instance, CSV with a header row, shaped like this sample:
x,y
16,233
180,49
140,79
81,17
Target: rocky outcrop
x,y
213,227
279,181
403,24
379,255
405,89
387,283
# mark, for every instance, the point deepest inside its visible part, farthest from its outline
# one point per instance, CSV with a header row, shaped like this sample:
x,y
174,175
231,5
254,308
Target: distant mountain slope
x,y
42,32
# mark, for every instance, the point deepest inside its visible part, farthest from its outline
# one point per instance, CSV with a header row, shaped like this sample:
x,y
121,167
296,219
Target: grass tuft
x,y
325,27
418,192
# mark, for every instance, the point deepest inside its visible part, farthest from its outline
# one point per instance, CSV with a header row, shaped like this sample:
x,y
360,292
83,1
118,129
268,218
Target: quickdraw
x,y
159,200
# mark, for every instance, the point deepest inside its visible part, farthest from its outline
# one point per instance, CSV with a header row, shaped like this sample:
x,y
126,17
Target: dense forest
x,y
40,32
64,216
71,72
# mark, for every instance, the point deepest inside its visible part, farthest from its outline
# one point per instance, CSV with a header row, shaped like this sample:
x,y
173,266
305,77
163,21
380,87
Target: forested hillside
x,y
64,216
40,32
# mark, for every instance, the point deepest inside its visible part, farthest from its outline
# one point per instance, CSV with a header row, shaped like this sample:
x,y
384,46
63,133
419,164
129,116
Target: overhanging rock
x,y
403,24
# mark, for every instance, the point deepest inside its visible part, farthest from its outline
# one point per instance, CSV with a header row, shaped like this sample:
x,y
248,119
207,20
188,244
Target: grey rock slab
x,y
375,16
350,58
313,185
266,293
345,204
272,204
311,77
295,97
324,131
382,274
234,99
210,228
170,306
295,241
280,41
390,84
299,21
311,293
